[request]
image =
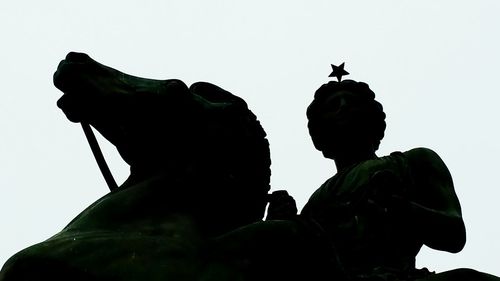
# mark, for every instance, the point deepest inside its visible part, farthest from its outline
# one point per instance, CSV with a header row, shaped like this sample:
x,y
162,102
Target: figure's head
x,y
344,116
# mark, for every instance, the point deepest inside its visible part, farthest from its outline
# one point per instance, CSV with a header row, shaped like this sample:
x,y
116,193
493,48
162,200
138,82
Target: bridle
x,y
99,157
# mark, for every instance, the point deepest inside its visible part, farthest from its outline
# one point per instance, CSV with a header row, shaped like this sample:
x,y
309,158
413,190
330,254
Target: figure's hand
x,y
281,206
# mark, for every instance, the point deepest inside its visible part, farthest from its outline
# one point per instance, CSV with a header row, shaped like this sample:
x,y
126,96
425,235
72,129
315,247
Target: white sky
x,y
433,64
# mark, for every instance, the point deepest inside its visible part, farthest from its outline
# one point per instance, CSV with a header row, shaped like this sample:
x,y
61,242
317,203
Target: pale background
x,y
433,64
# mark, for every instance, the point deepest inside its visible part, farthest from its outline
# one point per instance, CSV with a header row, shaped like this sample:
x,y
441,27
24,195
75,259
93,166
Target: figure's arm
x,y
434,204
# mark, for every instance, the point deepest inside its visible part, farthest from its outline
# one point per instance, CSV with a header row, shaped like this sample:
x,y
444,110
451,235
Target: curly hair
x,y
371,123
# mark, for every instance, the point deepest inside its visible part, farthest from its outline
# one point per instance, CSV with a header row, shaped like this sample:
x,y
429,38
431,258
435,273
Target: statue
x,y
193,204
199,167
379,211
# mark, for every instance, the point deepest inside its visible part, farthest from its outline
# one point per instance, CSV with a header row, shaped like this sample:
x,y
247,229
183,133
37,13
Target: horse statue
x,y
199,168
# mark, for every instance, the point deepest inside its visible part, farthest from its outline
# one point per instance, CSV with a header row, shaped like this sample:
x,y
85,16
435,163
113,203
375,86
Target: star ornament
x,y
338,71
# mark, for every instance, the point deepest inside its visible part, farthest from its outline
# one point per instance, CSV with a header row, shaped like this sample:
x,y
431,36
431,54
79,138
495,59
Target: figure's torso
x,y
354,208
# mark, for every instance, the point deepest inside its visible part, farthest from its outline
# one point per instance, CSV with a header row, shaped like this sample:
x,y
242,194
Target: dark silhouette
x,y
200,167
193,204
379,211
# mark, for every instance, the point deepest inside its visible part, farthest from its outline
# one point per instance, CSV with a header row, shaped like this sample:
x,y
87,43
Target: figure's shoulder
x,y
423,153
427,167
422,157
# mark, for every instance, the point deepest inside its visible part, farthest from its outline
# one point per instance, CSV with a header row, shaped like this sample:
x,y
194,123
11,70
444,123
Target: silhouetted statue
x,y
192,206
200,167
379,211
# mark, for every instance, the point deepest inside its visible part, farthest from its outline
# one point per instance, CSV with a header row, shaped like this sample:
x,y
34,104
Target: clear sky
x,y
433,64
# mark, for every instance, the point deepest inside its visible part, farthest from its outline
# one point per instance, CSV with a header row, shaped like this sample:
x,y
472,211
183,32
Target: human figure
x,y
379,211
